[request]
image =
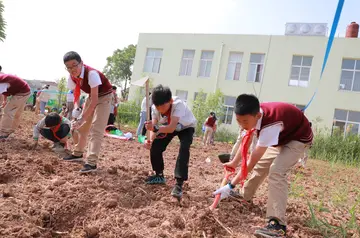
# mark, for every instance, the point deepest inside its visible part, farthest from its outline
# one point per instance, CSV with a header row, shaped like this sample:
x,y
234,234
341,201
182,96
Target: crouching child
x,y
54,128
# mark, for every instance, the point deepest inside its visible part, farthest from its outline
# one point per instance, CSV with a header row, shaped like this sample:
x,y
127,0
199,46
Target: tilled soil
x,y
43,196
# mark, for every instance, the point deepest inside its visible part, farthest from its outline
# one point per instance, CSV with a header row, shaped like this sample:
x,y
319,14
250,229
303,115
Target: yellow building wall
x,y
278,51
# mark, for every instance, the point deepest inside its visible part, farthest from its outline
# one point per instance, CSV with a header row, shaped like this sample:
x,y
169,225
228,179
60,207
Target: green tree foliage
x,y
2,22
62,88
118,68
204,104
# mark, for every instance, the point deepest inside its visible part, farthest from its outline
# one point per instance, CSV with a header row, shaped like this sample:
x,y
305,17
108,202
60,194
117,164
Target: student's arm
x,y
4,100
178,112
254,158
171,127
94,82
94,94
71,85
268,137
37,127
154,121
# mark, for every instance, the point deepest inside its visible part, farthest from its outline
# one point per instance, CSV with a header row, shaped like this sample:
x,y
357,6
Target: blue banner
x,y
329,45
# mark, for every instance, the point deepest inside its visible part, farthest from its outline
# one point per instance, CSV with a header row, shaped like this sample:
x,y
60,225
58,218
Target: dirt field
x,y
42,196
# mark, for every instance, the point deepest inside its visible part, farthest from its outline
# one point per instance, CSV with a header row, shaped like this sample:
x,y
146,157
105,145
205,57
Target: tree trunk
x,y
124,93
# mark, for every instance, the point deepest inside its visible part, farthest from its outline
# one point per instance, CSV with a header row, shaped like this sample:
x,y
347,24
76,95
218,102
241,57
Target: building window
x,y
196,94
300,71
346,122
350,75
153,60
205,63
229,103
256,68
234,66
186,62
182,95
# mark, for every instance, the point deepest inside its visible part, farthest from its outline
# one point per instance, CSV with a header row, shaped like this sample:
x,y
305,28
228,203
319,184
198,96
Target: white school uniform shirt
x,y
93,79
44,96
268,136
70,96
4,87
143,104
178,109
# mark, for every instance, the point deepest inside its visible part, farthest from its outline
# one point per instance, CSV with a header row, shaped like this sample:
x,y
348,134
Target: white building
x,y
276,68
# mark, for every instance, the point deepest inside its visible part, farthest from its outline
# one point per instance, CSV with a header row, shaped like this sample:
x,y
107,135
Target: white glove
x,y
224,191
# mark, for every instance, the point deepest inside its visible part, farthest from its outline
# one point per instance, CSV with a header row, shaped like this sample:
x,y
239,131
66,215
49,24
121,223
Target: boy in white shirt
x,y
175,119
95,114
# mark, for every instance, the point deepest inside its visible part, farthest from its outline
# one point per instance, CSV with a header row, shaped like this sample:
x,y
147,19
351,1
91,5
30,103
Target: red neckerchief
x,y
77,89
56,129
168,114
246,141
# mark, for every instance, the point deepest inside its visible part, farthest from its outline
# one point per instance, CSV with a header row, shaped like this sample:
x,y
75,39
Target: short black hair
x,y
72,55
52,119
0,68
64,104
114,87
247,104
161,95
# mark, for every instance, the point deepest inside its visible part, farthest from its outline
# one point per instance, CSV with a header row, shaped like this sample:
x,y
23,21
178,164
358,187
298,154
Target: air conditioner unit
x,y
306,29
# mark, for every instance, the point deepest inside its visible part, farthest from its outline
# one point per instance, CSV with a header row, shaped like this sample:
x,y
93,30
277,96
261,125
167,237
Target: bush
x,y
225,135
336,148
129,113
203,105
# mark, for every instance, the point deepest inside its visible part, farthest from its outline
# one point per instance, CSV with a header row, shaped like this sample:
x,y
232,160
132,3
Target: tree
x,y
62,91
204,104
118,68
2,22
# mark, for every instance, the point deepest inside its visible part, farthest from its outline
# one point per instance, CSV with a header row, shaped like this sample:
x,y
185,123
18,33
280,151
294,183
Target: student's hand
x,y
224,191
34,145
76,124
3,104
231,164
149,126
148,144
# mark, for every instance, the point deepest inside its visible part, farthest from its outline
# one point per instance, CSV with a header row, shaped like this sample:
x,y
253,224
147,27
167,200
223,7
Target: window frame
x,y
152,58
346,121
206,63
236,63
187,63
301,67
354,71
257,65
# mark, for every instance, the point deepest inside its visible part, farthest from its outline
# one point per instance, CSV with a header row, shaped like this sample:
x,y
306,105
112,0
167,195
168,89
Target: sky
x,y
40,32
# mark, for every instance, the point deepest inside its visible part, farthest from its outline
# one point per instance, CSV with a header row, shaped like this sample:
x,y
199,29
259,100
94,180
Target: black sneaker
x,y
155,179
272,230
88,169
73,158
177,191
